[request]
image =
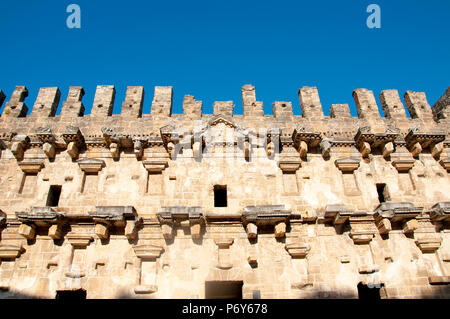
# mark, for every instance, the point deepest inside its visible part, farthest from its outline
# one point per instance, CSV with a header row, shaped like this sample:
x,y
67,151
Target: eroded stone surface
x,y
155,205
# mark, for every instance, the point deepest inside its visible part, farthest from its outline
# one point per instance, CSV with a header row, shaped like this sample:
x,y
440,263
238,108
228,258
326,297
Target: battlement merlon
x,y
340,111
418,106
103,101
162,101
392,106
48,99
73,106
134,101
46,102
16,106
250,105
310,102
441,109
366,105
192,108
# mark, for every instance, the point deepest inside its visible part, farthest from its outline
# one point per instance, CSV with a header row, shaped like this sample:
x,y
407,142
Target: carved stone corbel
x,y
186,217
394,212
106,217
74,140
19,145
116,141
304,138
417,140
366,141
272,215
41,217
48,139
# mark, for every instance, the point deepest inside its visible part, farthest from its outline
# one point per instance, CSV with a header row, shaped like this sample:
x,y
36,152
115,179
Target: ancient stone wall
x,y
157,205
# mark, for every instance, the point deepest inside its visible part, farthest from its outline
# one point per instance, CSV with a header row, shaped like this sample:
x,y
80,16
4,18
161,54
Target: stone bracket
x,y
365,140
19,145
417,140
189,217
273,215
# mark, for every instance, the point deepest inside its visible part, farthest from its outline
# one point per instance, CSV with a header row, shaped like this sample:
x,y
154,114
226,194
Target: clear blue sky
x,y
209,49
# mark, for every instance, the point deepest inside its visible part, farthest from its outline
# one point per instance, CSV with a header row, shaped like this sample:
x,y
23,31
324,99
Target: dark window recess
x,y
79,294
53,195
223,290
381,189
220,196
368,293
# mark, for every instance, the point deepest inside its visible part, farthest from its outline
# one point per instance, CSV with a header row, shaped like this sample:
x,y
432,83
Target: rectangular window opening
x,y
220,196
53,195
381,190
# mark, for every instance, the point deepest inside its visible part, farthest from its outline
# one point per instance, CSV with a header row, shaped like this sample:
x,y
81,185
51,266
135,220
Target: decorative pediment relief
x,y
119,216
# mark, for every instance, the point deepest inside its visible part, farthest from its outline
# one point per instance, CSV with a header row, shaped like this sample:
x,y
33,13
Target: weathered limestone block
x,y
224,108
410,226
27,231
418,106
250,105
72,150
297,248
19,145
49,150
340,111
392,105
73,106
280,229
162,101
388,149
16,106
437,150
416,149
46,103
384,225
134,101
252,230
103,101
365,104
282,110
195,230
303,149
310,102
102,231
55,231
441,109
192,108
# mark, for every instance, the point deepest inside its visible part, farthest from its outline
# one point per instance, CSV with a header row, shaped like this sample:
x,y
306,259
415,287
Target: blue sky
x,y
209,49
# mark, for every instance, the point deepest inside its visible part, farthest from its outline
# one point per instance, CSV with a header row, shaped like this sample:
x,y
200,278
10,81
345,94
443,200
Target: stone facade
x,y
158,205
